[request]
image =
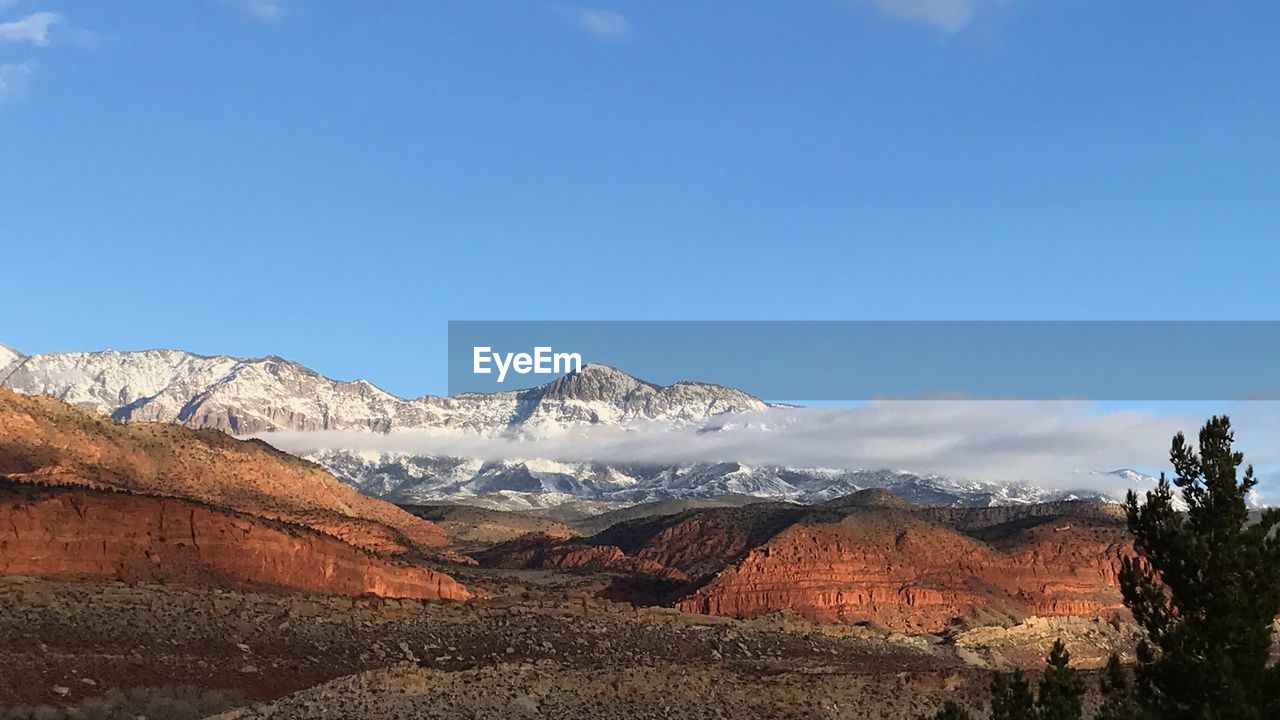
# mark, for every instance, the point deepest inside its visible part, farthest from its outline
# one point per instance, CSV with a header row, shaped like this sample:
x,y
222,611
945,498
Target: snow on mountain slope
x,y
1142,483
519,485
1132,479
8,356
246,396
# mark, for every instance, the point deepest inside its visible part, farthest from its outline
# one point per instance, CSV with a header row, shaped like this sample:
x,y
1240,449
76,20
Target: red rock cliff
x,y
45,441
910,574
690,545
86,533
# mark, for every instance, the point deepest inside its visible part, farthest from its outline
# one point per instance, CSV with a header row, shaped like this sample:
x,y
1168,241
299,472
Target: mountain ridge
x,y
245,396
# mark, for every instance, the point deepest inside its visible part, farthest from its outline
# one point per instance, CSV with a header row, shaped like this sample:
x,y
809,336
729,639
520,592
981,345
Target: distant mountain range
x,y
244,396
249,396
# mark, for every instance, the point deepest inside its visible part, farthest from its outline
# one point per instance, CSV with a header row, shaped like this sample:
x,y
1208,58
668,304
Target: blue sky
x,y
333,181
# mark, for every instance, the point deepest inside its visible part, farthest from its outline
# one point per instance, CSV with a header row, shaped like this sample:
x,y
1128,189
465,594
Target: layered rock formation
x,y
473,528
47,442
537,552
692,545
897,569
66,532
870,557
90,496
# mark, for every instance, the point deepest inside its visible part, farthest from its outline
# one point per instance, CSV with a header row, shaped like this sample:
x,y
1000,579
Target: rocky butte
x,y
869,558
86,496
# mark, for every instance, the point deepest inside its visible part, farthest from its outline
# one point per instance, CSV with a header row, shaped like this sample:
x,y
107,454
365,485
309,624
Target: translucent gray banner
x,y
862,360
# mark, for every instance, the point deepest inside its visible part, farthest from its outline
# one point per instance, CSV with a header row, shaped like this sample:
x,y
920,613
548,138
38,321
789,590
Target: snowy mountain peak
x,y
596,383
8,356
253,395
1133,476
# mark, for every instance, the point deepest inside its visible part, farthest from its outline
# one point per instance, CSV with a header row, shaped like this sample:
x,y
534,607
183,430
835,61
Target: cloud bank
x,y
1055,444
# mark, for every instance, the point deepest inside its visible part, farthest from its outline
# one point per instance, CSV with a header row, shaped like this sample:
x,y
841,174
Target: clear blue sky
x,y
333,181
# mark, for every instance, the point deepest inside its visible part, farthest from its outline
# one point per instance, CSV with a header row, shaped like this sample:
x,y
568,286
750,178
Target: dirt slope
x,y
47,442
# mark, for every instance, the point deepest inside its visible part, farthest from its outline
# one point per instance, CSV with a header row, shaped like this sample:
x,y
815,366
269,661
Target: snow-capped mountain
x,y
8,356
1131,476
247,396
516,485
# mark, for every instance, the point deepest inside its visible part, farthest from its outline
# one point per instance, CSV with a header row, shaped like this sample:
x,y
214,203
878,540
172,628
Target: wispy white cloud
x,y
13,78
33,28
945,15
600,23
262,10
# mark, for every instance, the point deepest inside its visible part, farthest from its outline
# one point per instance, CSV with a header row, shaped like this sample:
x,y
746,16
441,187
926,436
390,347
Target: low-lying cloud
x,y
1055,444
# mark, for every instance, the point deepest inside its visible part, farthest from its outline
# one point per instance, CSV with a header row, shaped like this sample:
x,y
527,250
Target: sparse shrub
x,y
95,709
950,711
182,702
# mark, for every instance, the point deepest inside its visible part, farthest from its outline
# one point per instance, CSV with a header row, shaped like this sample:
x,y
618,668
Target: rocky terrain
x,y
593,524
47,442
153,570
550,689
86,496
69,532
911,575
868,558
252,395
473,528
542,646
150,565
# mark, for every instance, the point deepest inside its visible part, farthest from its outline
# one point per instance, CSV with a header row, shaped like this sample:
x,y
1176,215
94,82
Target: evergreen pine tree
x,y
1062,689
1205,587
1118,699
1011,697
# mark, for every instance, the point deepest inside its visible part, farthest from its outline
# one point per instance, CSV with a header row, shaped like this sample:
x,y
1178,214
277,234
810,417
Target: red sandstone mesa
x,y
870,557
547,553
88,496
688,546
909,574
67,532
44,441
